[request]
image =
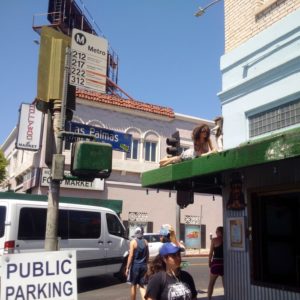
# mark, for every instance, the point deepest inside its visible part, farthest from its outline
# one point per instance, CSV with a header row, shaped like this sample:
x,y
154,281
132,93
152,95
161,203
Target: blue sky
x,y
167,56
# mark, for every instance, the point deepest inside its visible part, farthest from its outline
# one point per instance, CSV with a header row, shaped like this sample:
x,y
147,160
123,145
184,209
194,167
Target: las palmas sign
x,y
120,141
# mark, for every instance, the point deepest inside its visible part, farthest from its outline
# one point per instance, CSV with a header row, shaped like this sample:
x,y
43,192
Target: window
x,y
133,154
84,224
151,142
275,239
2,220
152,238
150,151
63,224
264,6
279,117
32,224
114,226
72,224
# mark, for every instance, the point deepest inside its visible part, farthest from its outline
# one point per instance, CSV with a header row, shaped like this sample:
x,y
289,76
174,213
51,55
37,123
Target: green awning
x,y
203,174
115,205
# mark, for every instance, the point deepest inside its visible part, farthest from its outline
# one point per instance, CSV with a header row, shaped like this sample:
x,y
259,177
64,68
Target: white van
x,y
96,233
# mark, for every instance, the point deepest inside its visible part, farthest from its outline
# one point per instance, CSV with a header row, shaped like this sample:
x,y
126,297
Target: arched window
x,y
96,123
135,144
151,147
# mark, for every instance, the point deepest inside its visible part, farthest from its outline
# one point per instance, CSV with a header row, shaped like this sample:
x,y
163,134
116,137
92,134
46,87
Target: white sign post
x,y
89,61
40,275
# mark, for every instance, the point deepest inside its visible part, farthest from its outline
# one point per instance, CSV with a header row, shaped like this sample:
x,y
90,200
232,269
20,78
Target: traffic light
x,y
184,198
91,160
174,143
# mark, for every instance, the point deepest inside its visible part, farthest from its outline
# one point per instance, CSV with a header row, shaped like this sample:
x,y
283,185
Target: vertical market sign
x,y
29,127
89,61
50,275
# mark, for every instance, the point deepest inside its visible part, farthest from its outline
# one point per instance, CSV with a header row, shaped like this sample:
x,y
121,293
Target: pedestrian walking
x,y
170,282
137,263
215,260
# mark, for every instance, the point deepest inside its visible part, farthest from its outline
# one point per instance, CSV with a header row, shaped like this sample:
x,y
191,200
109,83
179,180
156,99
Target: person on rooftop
x,y
202,146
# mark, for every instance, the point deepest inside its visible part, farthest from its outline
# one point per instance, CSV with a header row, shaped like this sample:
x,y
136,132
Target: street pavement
x,y
108,287
217,295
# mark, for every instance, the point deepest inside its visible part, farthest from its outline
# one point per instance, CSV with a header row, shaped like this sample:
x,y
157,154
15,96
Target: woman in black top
x,y
170,283
215,260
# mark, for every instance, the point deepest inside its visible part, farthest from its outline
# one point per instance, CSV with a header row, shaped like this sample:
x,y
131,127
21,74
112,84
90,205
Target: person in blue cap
x,y
170,283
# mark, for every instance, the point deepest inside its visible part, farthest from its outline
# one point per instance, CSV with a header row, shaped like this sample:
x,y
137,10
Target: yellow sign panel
x,y
51,64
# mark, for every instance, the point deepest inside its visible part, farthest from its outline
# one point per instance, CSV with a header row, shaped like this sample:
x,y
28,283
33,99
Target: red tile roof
x,y
126,103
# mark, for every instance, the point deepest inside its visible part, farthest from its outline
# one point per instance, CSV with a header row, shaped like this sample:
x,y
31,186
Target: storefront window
x,y
275,239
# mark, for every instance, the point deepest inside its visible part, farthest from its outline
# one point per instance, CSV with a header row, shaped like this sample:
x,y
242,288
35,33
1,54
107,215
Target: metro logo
x,y
80,39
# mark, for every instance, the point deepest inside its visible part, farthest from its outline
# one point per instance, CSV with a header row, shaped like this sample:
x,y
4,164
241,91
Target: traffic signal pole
x,y
57,168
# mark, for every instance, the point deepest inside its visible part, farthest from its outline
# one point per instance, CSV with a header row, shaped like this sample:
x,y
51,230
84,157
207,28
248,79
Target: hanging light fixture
x,y
201,10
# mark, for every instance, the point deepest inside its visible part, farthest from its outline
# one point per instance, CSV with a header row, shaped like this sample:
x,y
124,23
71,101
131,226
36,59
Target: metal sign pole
x,y
57,169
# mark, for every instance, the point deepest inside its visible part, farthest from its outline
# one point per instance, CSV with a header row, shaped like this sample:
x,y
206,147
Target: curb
x,y
196,255
217,294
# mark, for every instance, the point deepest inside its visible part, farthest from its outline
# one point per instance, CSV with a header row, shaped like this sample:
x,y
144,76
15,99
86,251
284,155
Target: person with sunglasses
x,y
202,146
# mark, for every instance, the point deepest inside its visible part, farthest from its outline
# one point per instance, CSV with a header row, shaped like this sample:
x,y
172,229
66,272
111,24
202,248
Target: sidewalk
x,y
193,253
217,295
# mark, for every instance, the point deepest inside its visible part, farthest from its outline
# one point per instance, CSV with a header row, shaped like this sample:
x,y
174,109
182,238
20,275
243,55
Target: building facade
x,y
149,126
261,93
260,70
258,172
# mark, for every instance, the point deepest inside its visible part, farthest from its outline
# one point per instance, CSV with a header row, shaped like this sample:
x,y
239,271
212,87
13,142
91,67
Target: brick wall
x,y
246,18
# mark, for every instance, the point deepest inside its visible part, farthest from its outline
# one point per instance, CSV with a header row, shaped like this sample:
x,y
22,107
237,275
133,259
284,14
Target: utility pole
x,y
52,92
58,161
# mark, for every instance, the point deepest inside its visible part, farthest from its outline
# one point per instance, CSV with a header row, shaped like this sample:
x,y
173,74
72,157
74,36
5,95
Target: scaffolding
x,y
64,16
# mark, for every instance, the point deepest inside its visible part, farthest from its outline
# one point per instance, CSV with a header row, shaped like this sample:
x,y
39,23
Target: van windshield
x,y
2,220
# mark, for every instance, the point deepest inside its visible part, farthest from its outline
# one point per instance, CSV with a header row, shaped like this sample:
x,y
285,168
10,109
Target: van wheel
x,y
121,274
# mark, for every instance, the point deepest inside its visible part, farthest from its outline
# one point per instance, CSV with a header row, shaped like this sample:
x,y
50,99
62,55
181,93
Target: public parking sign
x,y
41,275
89,61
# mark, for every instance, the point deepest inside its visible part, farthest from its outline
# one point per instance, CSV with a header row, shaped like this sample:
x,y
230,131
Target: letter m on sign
x,y
80,39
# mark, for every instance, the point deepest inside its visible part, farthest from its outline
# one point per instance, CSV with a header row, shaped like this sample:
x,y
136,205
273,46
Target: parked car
x,y
96,233
154,243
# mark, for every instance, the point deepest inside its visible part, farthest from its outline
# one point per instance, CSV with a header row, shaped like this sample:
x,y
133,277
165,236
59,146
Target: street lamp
x,y
201,10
